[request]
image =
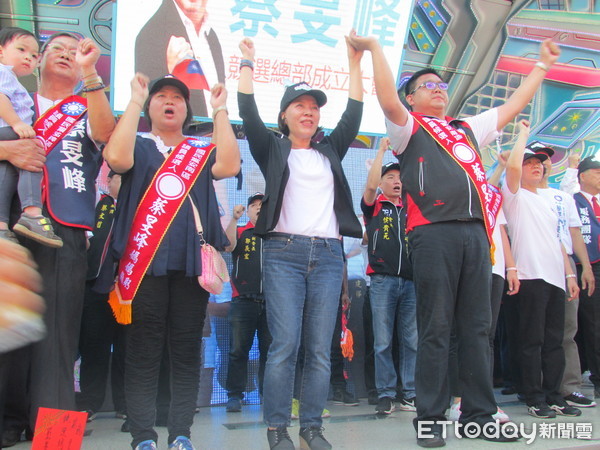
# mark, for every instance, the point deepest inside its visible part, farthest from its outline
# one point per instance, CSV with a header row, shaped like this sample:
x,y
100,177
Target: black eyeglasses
x,y
431,85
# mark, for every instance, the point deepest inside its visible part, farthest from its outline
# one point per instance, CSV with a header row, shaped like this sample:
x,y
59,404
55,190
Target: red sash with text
x,y
462,151
56,123
164,196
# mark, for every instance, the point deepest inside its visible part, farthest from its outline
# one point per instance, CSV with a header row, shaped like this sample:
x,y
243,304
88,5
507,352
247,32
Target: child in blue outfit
x,y
19,54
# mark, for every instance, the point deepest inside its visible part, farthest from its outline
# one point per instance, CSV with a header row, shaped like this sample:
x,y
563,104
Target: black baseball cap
x,y
537,147
169,80
588,163
531,154
297,90
255,196
389,166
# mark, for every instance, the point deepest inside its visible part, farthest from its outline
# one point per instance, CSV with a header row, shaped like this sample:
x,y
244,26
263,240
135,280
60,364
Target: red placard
x,y
59,429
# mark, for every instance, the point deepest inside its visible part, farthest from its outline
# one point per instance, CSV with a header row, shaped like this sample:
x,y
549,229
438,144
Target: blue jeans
x,y
302,280
393,304
247,316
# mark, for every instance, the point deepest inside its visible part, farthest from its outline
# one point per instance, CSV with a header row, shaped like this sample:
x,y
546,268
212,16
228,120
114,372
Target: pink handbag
x,y
214,269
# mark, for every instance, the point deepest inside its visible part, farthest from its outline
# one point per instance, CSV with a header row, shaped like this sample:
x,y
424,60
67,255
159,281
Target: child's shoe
x,y
38,229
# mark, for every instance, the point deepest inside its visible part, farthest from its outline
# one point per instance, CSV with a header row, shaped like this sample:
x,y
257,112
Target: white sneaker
x,y
454,413
501,416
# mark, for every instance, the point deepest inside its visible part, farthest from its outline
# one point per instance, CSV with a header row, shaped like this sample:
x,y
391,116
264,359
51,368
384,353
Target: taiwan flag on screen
x,y
190,72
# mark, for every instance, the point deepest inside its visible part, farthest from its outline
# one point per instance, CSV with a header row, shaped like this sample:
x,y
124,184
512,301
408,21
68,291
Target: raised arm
x,y
246,84
374,177
549,53
228,159
102,121
514,165
231,230
118,152
257,134
569,182
355,90
494,179
385,85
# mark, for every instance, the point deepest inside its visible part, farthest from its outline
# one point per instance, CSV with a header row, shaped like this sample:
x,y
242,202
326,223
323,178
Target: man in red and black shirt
x,y
392,293
247,313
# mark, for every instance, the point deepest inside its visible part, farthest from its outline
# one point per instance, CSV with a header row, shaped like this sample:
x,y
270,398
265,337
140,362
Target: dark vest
x,y
70,181
247,262
434,187
590,228
387,249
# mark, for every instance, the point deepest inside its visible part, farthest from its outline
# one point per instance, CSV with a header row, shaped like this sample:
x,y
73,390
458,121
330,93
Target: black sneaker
x,y
385,406
467,431
279,439
565,410
579,400
541,411
343,397
313,439
408,404
433,438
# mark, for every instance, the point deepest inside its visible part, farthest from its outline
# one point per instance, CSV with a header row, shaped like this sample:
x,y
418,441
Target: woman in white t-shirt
x,y
307,206
543,264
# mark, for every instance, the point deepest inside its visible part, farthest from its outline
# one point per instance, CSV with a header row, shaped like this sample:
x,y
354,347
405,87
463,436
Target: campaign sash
x,y
462,151
56,123
164,196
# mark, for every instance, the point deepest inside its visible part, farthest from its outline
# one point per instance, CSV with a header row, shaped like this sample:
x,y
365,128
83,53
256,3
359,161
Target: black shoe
x,y
408,404
563,409
91,415
541,411
385,406
313,439
10,437
433,437
510,390
579,400
343,397
125,426
279,439
467,432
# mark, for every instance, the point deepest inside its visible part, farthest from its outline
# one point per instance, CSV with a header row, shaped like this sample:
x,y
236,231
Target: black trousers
x,y
99,333
541,328
247,316
589,322
511,320
496,299
167,311
452,276
369,366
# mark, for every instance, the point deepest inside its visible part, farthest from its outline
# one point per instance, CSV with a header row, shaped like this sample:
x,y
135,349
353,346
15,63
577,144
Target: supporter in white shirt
x,y
542,263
